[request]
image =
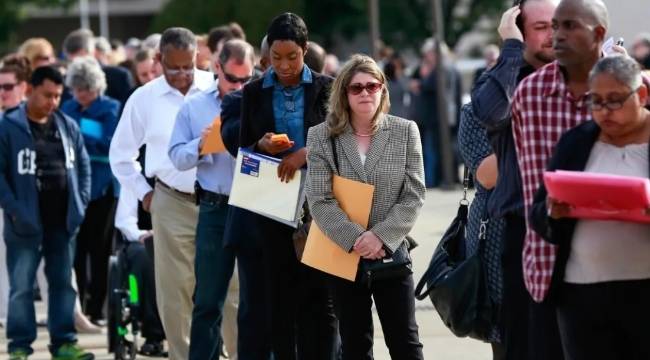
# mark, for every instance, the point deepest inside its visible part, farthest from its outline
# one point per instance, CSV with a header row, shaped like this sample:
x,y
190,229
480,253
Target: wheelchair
x,y
123,326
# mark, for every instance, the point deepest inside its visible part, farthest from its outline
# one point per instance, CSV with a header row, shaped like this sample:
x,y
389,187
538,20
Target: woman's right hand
x,y
556,209
265,144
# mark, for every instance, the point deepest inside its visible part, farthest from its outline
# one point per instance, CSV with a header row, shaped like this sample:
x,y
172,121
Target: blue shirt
x,y
289,106
97,124
214,172
491,104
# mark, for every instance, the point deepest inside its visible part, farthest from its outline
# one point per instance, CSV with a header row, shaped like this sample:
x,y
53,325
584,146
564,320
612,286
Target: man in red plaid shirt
x,y
545,105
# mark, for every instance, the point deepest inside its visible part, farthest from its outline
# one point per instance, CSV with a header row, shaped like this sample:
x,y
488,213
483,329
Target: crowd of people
x,y
103,148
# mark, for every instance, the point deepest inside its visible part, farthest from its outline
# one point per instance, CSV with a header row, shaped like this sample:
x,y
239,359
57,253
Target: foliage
x,y
11,16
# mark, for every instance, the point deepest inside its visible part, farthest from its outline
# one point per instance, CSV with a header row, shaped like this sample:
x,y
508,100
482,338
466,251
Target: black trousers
x,y
395,305
94,244
605,321
140,260
530,329
515,296
302,324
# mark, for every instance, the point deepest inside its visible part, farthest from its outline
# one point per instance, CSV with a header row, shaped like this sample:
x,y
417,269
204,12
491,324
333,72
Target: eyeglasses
x,y
8,86
234,79
177,71
371,88
598,105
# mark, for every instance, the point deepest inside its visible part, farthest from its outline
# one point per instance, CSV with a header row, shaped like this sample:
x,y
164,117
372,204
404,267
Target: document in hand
x,y
355,199
213,142
601,196
256,187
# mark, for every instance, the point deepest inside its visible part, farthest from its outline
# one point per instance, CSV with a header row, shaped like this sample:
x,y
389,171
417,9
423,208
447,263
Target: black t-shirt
x,y
51,178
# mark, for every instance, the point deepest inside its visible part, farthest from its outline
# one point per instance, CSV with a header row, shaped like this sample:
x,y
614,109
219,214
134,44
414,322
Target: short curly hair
x,y
18,65
86,73
288,27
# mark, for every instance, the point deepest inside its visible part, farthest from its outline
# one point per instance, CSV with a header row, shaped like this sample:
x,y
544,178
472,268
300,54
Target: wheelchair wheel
x,y
115,337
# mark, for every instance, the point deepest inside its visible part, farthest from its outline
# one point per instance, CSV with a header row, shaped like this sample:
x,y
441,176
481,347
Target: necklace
x,y
362,135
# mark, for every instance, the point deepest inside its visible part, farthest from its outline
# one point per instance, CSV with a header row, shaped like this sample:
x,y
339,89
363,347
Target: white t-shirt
x,y
611,250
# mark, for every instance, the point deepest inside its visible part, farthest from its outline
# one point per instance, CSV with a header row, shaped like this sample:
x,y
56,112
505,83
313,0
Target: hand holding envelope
x,y
355,199
211,141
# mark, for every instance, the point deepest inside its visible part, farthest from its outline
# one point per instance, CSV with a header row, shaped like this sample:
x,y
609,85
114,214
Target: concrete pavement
x,y
439,344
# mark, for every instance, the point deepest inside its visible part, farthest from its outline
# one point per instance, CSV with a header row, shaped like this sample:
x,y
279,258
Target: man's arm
x,y
183,147
7,198
230,121
127,140
83,167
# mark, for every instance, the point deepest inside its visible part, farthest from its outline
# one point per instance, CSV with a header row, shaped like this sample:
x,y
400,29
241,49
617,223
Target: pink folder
x,y
601,196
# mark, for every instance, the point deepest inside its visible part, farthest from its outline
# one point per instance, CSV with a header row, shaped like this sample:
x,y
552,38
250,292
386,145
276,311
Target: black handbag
x,y
397,265
456,283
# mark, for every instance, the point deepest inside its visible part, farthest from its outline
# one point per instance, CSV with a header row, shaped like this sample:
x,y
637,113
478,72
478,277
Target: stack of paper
x,y
256,187
355,199
601,196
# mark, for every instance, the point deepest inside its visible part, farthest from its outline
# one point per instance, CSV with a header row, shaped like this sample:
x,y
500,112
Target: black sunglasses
x,y
8,86
234,79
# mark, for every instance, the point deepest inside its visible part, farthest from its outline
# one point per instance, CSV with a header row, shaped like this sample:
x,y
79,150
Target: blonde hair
x,y
34,47
338,116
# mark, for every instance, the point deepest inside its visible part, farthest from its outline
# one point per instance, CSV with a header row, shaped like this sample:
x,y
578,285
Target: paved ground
x,y
439,343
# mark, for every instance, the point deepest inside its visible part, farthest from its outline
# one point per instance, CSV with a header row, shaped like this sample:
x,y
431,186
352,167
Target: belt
x,y
186,194
209,196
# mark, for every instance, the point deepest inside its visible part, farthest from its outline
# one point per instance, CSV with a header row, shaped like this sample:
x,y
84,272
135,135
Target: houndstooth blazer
x,y
393,165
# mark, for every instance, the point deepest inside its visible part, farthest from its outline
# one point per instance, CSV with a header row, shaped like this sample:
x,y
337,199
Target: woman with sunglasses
x,y
14,75
289,99
603,287
385,151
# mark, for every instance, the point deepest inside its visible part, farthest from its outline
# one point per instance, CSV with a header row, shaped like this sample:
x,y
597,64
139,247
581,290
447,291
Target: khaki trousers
x,y
229,325
174,218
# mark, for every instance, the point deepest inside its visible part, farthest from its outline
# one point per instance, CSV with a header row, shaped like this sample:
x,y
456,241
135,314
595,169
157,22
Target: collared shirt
x,y
148,119
214,172
289,106
126,216
491,104
543,109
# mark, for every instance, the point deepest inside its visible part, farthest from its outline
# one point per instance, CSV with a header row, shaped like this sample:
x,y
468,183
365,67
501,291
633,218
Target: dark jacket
x,y
256,118
119,83
104,111
491,104
18,191
571,153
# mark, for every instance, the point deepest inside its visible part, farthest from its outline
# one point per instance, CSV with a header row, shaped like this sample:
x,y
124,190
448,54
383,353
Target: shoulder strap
x,y
335,155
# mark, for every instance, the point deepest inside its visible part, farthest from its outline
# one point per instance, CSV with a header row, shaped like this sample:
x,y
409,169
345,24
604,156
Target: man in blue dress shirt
x,y
214,263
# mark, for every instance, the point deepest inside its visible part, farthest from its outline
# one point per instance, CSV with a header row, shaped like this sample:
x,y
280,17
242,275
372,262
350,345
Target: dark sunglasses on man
x,y
234,79
8,87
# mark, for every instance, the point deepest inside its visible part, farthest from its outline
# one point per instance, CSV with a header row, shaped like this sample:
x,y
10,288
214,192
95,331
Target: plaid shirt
x,y
543,109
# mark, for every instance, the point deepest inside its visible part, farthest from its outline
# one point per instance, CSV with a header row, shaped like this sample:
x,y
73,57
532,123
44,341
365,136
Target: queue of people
x,y
123,157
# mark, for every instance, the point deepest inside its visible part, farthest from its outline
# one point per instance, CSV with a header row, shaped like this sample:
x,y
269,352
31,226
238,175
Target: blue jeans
x,y
431,157
57,248
213,268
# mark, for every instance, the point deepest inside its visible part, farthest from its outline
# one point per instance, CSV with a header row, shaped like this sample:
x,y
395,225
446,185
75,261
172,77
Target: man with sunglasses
x,y
214,263
148,119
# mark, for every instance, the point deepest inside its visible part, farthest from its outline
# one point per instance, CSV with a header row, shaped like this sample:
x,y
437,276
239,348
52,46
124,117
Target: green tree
x,y
12,15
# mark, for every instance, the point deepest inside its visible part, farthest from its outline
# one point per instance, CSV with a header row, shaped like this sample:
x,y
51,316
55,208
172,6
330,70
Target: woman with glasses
x,y
289,99
361,142
14,75
603,283
97,117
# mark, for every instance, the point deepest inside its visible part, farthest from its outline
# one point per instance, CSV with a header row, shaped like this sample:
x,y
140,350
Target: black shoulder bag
x,y
456,283
395,265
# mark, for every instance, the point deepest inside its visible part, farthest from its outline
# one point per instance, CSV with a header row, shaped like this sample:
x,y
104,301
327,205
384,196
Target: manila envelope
x,y
213,143
355,199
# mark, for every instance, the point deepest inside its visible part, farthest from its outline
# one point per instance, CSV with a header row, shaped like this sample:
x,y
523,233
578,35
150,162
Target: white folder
x,y
256,187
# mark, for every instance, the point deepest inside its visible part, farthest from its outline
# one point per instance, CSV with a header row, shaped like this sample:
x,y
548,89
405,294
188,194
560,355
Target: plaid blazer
x,y
393,165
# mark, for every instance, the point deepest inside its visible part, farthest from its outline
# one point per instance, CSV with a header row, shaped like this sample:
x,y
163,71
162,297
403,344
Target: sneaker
x,y
18,355
72,352
153,349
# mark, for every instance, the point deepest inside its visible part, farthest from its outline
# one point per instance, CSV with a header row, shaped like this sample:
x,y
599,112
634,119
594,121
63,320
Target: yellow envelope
x,y
355,199
214,143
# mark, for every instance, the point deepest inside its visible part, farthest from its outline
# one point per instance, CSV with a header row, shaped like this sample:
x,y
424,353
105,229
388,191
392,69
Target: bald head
x,y
592,12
